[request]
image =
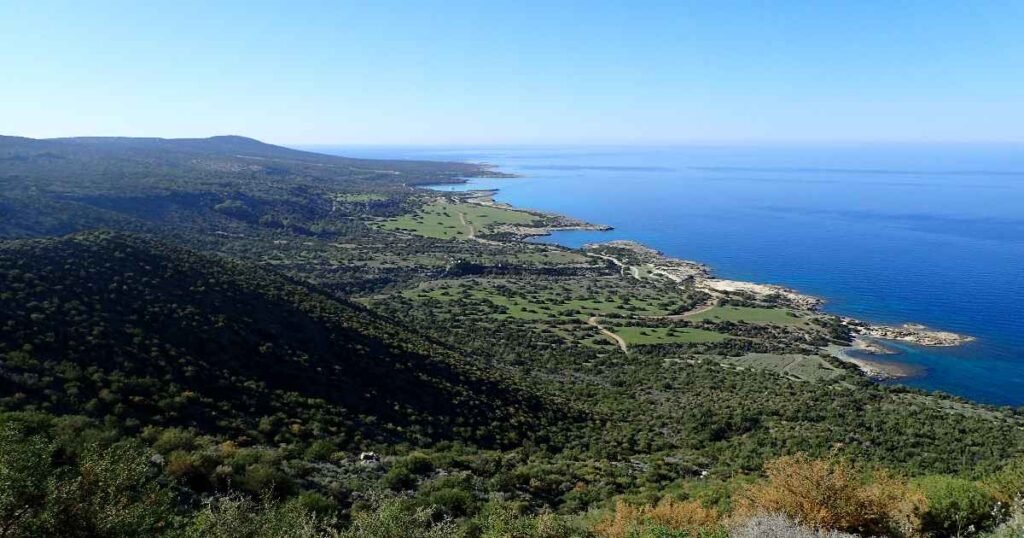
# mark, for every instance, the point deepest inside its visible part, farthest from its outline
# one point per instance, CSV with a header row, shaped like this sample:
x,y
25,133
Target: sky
x,y
516,72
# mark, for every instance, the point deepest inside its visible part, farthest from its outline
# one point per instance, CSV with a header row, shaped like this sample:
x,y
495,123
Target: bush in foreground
x,y
833,494
668,519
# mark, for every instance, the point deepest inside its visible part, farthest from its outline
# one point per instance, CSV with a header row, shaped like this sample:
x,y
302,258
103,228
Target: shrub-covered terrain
x,y
225,338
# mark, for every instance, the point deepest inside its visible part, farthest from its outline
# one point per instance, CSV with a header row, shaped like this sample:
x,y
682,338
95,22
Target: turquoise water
x,y
888,234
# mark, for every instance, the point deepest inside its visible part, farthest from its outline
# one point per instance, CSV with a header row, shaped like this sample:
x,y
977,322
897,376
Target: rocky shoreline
x,y
698,274
909,332
868,338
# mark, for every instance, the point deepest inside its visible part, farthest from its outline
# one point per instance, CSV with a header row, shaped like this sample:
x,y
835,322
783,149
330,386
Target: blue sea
x,y
932,234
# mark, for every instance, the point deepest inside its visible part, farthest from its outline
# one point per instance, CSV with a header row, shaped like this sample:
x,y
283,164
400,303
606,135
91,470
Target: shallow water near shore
x,y
887,234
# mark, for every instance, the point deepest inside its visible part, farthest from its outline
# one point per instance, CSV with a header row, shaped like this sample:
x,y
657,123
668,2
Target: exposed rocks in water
x,y
909,332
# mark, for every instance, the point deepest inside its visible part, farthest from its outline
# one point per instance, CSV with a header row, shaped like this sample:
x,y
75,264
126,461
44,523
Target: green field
x,y
454,220
776,316
666,335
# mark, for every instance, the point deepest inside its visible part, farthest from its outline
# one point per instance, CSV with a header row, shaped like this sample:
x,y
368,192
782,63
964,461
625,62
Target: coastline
x,y
553,221
867,339
874,367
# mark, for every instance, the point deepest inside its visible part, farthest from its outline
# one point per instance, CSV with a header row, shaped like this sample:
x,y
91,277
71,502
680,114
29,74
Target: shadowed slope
x,y
115,325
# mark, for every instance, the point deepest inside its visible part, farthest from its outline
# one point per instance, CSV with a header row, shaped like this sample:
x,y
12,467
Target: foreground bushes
x,y
49,490
833,494
668,518
955,507
60,478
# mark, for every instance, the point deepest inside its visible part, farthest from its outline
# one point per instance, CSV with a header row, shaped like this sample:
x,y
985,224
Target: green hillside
x,y
227,184
132,329
220,337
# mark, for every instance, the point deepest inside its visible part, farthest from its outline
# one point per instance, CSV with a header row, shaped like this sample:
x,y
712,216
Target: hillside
x,y
58,186
132,329
215,330
149,164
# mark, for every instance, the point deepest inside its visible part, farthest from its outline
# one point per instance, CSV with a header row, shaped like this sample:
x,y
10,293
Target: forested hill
x,y
142,333
140,162
60,186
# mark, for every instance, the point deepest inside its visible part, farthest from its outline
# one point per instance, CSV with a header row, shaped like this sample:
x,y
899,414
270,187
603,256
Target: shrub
x,y
667,518
956,507
453,502
1008,484
174,439
502,520
239,517
395,518
114,493
263,478
832,494
320,450
398,478
317,504
24,474
180,465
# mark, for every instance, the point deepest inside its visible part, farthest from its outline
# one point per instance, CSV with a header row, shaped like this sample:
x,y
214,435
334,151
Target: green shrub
x,y
417,463
453,502
238,517
1008,484
262,478
112,492
398,479
320,450
955,507
396,518
24,477
174,439
317,504
502,519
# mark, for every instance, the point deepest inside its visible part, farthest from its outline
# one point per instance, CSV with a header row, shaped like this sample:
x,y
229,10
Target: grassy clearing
x,y
776,316
450,220
804,367
666,335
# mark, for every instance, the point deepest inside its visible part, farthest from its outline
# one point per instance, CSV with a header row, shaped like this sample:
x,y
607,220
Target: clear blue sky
x,y
480,72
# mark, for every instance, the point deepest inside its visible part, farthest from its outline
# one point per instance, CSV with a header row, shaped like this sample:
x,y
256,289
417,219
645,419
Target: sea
x,y
886,233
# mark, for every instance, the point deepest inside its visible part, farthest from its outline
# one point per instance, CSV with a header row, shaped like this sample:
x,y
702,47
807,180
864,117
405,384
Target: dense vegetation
x,y
266,342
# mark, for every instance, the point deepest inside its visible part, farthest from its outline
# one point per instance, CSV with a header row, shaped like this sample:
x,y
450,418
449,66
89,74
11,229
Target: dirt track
x,y
592,320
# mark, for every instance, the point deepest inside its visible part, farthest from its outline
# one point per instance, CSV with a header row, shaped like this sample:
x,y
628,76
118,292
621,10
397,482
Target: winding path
x,y
700,309
593,321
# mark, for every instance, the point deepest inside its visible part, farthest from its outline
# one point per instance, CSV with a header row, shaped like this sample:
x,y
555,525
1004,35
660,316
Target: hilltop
x,y
63,185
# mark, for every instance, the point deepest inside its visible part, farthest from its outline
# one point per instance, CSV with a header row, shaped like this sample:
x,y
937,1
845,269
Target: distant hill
x,y
230,155
112,325
64,185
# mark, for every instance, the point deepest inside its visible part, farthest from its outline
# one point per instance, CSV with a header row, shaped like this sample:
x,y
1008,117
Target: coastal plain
x,y
654,301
